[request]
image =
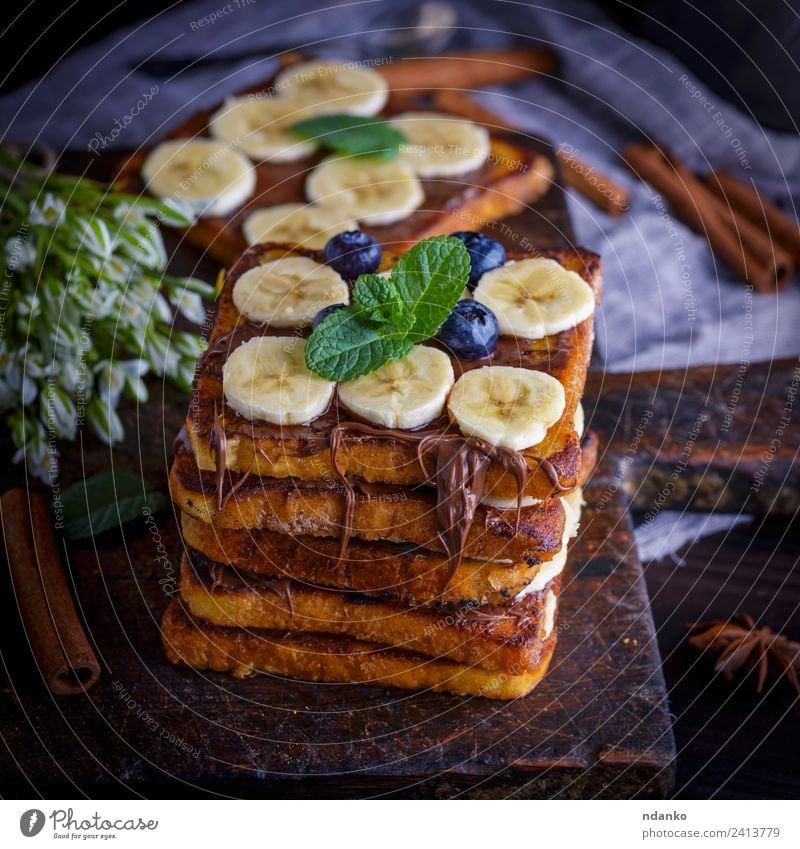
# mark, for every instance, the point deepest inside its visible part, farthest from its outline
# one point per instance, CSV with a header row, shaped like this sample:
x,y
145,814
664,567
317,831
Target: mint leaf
x,y
430,278
352,135
379,298
347,344
389,315
106,500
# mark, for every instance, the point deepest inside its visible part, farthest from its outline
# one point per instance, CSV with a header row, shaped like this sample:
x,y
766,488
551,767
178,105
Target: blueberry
x,y
352,254
470,331
484,254
324,313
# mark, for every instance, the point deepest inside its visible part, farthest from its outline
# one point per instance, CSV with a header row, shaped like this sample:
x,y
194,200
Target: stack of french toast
x,y
381,467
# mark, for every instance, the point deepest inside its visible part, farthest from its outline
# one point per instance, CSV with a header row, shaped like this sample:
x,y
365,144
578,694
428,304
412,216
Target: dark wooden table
x,y
731,743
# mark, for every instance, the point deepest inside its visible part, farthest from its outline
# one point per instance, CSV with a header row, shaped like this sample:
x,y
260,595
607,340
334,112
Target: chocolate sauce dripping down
x,y
225,576
460,476
218,443
336,438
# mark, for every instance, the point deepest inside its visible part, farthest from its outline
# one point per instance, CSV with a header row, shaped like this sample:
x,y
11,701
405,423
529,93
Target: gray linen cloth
x,y
669,303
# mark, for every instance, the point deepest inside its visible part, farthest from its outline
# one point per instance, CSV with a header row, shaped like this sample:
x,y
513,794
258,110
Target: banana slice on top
x,y
534,298
306,224
261,127
406,393
370,190
506,406
288,291
503,503
440,145
266,379
209,175
333,87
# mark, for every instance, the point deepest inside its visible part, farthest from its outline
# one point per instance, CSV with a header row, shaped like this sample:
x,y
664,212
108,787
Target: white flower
x,y
190,305
110,381
134,372
49,212
20,252
96,238
61,412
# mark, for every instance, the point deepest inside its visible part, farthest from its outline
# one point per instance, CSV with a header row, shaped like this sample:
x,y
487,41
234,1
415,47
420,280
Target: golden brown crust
x,y
296,452
395,572
501,638
396,514
323,657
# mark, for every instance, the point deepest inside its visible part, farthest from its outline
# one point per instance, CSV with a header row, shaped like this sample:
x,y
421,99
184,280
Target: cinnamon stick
x,y
765,267
600,190
760,210
603,192
63,654
468,70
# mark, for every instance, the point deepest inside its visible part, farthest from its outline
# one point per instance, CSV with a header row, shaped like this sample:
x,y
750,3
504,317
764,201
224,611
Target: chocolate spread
x,y
461,464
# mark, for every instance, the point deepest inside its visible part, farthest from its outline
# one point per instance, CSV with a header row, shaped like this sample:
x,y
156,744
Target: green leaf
x,y
389,315
347,344
430,279
106,500
352,135
379,299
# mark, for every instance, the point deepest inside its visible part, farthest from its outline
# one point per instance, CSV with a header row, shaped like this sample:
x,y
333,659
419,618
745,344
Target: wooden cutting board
x,y
598,725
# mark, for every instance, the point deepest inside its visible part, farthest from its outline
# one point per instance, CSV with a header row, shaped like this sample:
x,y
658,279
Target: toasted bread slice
x,y
518,171
301,452
391,571
335,659
382,512
503,638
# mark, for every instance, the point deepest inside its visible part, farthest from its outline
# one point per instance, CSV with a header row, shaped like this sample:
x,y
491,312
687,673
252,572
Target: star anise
x,y
743,647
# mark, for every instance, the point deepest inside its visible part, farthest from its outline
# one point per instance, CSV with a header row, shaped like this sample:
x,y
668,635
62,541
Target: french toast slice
x,y
334,659
381,512
517,172
391,571
387,570
501,638
301,452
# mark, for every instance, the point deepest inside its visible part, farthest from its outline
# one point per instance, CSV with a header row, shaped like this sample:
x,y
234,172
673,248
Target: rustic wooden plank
x,y
715,438
597,725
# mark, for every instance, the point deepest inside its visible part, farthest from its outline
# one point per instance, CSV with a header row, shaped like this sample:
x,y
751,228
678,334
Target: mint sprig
x,y
389,315
352,135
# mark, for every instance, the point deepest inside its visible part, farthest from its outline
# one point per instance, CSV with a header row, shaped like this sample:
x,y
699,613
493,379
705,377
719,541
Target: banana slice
x,y
406,393
288,291
501,503
506,406
309,225
579,422
333,87
440,145
209,175
534,298
572,507
266,379
261,128
369,190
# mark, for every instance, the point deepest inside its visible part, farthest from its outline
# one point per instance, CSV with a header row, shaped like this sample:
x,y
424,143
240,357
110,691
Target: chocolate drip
x,y
460,476
552,475
222,576
218,443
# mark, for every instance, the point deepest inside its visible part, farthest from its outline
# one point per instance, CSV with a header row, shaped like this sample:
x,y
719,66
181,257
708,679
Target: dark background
x,y
747,52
